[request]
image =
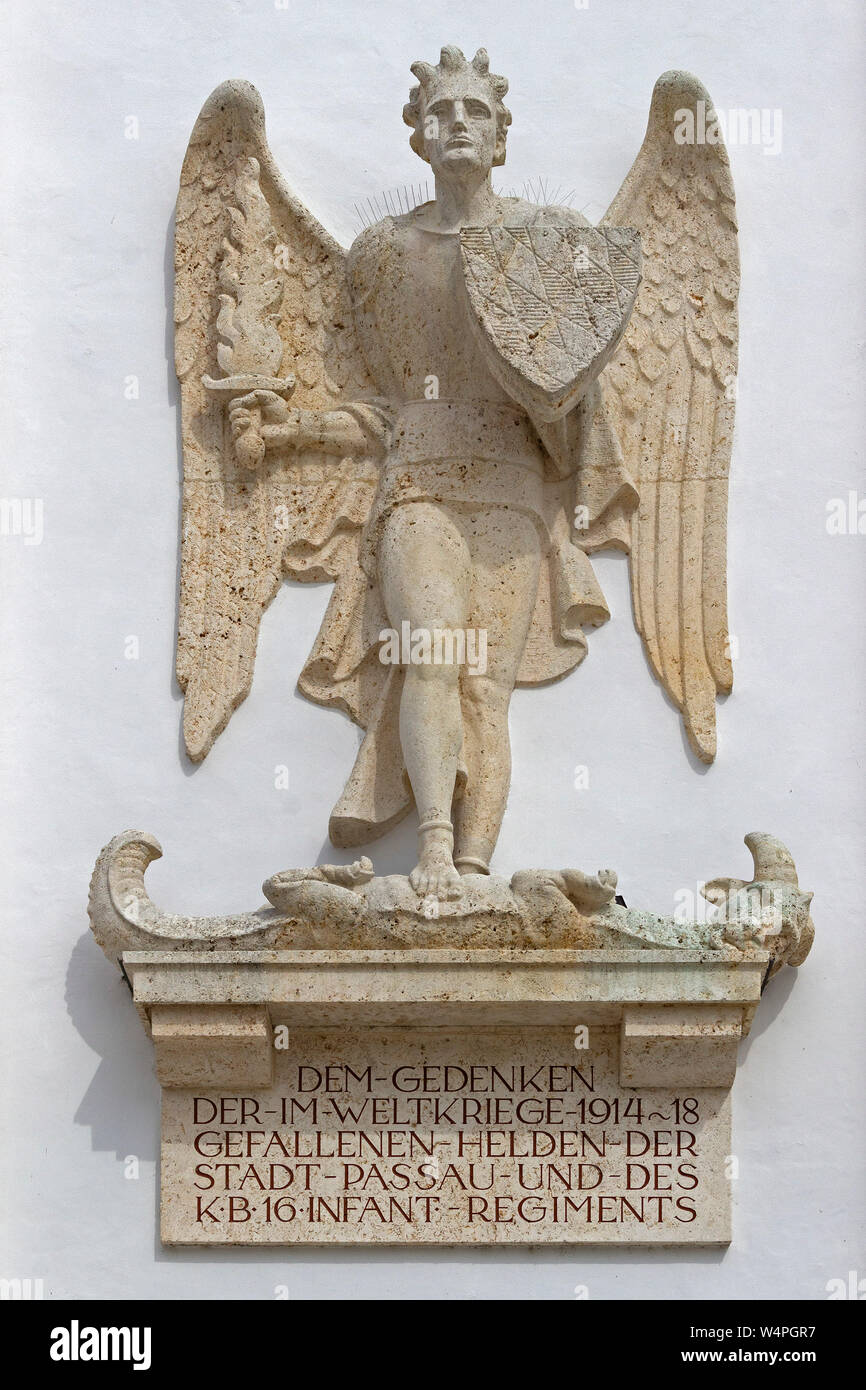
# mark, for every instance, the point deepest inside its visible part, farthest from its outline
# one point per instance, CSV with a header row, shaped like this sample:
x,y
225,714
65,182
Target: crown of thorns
x,y
452,60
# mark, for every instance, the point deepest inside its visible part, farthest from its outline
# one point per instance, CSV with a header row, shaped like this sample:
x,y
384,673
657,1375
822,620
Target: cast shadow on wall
x,y
121,1104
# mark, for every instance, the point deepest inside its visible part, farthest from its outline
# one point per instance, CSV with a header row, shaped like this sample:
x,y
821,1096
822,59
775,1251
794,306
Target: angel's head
x,y
458,118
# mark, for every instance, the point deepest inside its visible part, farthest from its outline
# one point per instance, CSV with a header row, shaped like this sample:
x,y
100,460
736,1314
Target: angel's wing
x,y
237,524
670,394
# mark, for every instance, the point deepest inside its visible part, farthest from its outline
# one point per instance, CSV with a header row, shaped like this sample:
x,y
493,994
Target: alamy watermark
x,y
77,1343
22,516
438,646
741,125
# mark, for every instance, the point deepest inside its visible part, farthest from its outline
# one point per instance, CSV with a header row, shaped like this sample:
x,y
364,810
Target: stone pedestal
x,y
445,1096
534,1063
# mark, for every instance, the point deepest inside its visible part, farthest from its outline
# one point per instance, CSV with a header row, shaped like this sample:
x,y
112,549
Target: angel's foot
x,y
589,891
435,876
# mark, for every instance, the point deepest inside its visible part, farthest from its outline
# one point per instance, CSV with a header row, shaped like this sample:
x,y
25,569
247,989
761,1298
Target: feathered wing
x,y
241,528
670,394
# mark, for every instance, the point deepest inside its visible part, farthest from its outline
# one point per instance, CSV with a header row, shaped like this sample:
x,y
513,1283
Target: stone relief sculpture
x,y
346,906
448,421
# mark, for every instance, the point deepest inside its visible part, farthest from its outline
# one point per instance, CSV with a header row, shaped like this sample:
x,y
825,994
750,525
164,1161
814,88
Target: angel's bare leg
x,y
425,573
506,555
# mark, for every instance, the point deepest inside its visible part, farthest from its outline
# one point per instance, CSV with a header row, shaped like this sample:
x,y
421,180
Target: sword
x,y
250,350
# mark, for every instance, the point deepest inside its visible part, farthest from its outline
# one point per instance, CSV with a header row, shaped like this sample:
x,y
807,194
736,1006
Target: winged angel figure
x,y
447,421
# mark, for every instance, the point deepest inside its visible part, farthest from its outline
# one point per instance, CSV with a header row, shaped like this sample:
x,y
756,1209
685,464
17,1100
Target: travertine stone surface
x,y
347,907
692,1045
283,1065
479,1137
200,1046
447,421
284,1120
553,1096
543,346
653,996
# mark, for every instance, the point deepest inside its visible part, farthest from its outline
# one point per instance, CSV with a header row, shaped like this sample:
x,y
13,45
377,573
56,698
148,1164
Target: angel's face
x,y
460,131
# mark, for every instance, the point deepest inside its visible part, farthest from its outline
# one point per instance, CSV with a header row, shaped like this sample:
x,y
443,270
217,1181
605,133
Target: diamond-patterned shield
x,y
549,304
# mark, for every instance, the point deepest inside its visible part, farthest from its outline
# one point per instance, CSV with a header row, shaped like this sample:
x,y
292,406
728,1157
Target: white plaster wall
x,y
91,740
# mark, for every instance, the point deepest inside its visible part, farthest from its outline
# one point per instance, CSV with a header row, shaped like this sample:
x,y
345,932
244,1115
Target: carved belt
x,y
429,430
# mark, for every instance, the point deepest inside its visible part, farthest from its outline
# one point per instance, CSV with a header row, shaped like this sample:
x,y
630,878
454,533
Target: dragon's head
x,y
770,913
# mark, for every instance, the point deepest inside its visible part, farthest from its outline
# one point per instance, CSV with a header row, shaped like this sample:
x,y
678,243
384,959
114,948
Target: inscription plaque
x,y
488,1136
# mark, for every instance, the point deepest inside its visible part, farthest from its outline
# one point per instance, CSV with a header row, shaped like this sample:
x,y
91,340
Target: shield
x,y
549,304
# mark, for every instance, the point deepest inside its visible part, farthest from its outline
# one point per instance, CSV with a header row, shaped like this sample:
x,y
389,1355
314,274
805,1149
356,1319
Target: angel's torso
x,y
457,436
408,298
413,323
